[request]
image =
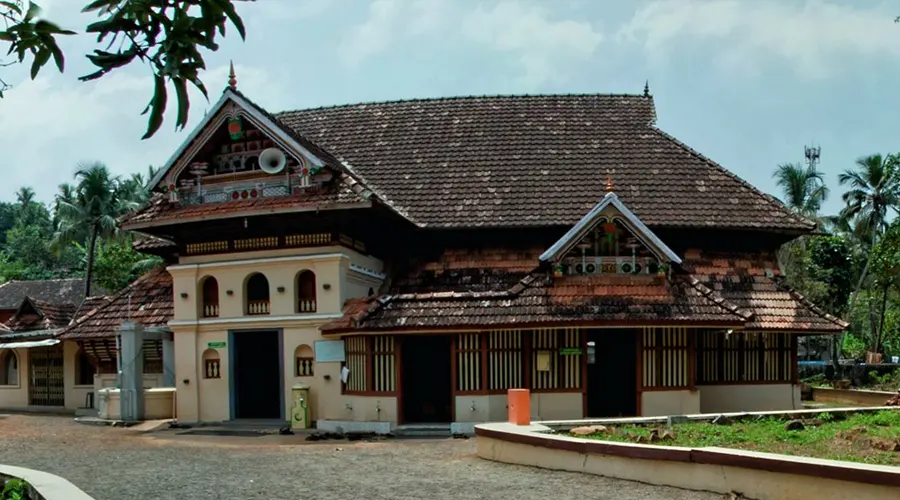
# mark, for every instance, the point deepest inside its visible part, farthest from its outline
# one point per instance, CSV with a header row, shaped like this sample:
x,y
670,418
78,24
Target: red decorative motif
x,y
253,193
609,228
235,195
304,171
243,194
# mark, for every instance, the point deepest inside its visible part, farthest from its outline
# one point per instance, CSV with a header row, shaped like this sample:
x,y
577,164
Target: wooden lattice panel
x,y
256,243
206,247
302,240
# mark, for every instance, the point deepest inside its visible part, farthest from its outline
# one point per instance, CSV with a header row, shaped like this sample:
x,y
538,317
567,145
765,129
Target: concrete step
x,y
422,430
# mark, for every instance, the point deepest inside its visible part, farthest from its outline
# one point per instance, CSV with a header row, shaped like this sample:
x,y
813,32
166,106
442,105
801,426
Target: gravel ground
x,y
120,464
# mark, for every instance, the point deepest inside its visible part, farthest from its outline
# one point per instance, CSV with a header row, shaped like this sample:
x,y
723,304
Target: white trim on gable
x,y
580,229
256,117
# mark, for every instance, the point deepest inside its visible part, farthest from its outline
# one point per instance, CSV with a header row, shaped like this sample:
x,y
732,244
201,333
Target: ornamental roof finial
x,y
609,183
647,88
232,78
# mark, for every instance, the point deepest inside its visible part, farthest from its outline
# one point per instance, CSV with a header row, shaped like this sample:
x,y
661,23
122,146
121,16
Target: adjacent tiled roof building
x,y
58,291
148,301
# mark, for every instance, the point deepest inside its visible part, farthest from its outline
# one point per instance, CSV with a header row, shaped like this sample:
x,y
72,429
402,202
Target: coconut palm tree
x,y
99,199
874,190
803,187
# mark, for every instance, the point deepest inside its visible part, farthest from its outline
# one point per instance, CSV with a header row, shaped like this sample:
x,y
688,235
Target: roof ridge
x,y
460,98
780,283
767,197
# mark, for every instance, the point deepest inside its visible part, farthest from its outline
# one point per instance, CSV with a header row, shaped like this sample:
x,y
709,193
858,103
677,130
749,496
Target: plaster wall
x,y
760,397
662,403
16,395
753,483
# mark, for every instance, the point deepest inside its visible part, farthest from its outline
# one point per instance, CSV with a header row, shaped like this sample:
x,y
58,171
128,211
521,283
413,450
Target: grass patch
x,y
863,437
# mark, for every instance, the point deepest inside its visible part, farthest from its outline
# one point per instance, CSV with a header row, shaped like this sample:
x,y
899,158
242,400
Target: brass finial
x,y
232,78
609,183
647,88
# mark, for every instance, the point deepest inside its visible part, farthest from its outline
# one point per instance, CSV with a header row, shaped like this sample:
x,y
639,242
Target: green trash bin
x,y
300,406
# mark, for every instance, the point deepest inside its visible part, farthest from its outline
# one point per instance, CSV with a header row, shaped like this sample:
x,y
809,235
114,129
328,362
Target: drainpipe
x,y
197,374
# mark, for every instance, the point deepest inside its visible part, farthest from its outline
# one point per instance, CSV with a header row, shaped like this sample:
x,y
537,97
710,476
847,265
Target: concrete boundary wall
x,y
762,476
45,485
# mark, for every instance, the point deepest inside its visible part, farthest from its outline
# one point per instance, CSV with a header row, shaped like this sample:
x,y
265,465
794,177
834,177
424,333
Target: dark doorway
x,y
256,374
426,379
611,373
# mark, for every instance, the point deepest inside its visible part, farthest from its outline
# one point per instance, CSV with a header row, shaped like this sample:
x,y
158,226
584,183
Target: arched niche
x,y
306,291
9,367
212,365
304,361
209,297
256,294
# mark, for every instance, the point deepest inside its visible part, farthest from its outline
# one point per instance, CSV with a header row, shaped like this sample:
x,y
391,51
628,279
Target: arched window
x,y
306,292
257,294
304,360
212,368
209,297
9,368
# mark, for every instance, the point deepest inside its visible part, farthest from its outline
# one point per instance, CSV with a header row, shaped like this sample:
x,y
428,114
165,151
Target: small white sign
x,y
329,351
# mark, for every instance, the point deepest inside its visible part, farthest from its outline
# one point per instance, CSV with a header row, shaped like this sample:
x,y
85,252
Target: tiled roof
x,y
89,304
494,287
753,282
146,242
533,161
37,314
586,300
60,291
148,300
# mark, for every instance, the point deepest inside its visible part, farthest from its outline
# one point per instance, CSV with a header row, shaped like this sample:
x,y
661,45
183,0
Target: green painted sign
x,y
215,345
570,351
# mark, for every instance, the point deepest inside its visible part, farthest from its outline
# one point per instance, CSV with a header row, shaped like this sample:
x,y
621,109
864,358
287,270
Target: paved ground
x,y
120,464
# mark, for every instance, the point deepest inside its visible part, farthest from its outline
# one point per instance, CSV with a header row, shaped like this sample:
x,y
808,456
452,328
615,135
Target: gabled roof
x,y
58,291
147,300
34,315
590,220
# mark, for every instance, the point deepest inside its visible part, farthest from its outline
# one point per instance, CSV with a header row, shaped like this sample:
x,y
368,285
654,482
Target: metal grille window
x,y
665,357
740,357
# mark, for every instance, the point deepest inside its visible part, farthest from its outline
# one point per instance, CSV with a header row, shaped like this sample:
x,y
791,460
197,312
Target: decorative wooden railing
x,y
306,306
255,307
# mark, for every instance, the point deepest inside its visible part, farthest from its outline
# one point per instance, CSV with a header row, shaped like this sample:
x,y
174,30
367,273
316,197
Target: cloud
x,y
51,124
544,47
814,36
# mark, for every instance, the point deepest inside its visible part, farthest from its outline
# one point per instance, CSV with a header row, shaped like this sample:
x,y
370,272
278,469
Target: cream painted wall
x,y
662,403
736,398
557,406
209,399
16,396
331,266
75,394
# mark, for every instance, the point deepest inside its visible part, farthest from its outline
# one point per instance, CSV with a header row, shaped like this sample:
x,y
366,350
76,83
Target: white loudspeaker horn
x,y
272,161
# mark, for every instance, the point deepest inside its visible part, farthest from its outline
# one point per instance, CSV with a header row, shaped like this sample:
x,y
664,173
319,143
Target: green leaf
x,y
184,104
228,8
158,106
34,10
40,59
99,4
58,56
12,6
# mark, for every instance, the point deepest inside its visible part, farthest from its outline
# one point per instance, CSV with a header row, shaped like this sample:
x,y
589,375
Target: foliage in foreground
x,y
853,439
14,489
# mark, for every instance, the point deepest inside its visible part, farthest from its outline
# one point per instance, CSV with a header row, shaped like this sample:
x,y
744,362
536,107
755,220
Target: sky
x,y
748,83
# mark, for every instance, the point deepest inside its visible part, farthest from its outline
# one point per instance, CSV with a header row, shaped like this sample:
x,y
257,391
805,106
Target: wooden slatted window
x,y
556,359
744,357
468,362
505,360
384,363
373,364
357,356
665,357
